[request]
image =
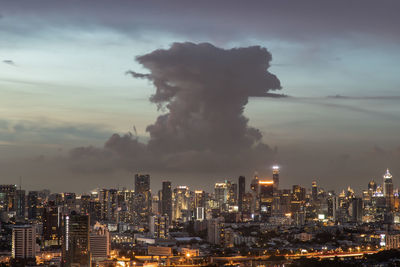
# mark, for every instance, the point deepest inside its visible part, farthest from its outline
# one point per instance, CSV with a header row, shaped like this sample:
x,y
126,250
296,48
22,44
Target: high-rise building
x,y
23,242
181,204
20,203
142,201
215,231
109,205
388,189
356,210
314,191
166,199
33,205
266,188
242,191
7,197
221,195
275,176
52,226
159,226
76,246
100,242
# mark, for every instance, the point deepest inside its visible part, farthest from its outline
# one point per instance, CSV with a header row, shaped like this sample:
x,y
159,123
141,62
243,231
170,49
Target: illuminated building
x,y
33,205
166,199
181,204
159,226
7,196
142,203
242,191
20,203
275,176
109,205
52,229
266,194
199,204
100,243
388,189
76,246
216,231
314,191
221,195
23,242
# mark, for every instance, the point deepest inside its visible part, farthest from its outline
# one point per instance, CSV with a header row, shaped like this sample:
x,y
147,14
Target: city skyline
x,y
66,92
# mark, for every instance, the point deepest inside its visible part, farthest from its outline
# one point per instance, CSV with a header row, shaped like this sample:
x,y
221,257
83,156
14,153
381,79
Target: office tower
x,y
275,176
100,243
215,231
314,191
52,226
20,204
254,190
33,205
200,213
285,199
372,186
242,191
166,199
221,195
266,194
159,226
155,203
109,205
23,242
84,204
199,204
7,197
388,189
232,193
181,204
356,210
69,202
76,247
142,198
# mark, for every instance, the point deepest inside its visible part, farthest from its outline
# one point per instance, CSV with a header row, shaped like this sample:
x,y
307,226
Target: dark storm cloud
x,y
204,90
301,20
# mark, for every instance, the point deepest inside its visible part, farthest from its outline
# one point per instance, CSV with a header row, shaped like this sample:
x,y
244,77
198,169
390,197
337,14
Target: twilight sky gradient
x,y
63,84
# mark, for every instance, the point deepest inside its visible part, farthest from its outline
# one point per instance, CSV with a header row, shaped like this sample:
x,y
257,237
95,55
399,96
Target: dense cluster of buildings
x,y
66,229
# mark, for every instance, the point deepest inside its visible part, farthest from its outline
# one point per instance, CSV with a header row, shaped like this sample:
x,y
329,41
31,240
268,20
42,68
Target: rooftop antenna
x,y
20,183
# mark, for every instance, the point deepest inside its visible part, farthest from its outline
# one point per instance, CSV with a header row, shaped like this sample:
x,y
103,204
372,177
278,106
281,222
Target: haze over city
x,y
198,92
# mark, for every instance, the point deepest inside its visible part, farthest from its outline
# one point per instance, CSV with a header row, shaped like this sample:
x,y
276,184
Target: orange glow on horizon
x,y
266,182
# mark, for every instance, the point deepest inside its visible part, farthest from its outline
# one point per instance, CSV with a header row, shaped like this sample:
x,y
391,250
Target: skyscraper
x,y
76,247
33,203
159,226
242,191
266,188
181,204
142,203
166,199
52,228
109,205
314,191
388,189
100,242
7,197
275,176
23,242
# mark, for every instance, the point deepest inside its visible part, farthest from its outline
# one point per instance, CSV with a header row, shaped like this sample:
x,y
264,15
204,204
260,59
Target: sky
x,y
92,92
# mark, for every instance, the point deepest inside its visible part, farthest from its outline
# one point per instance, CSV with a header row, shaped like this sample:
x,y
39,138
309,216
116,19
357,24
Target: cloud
x,y
204,90
9,62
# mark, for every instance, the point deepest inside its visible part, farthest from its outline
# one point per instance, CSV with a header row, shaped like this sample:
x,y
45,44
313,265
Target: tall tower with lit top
x,y
275,176
388,189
